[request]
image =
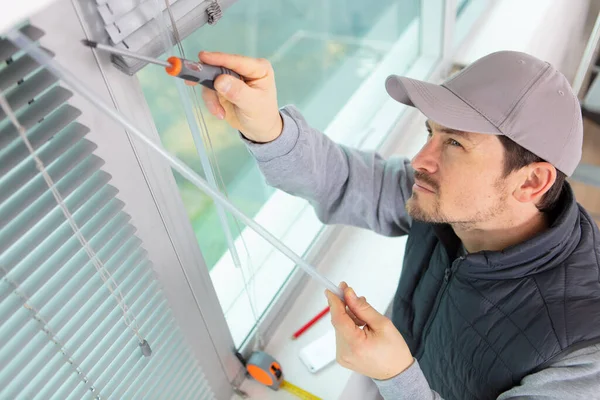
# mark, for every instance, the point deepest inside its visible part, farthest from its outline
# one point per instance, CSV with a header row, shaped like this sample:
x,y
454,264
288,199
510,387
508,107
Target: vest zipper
x,y
448,273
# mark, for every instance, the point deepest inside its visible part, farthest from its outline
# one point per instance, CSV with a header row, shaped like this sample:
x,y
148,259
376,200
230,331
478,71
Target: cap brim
x,y
438,104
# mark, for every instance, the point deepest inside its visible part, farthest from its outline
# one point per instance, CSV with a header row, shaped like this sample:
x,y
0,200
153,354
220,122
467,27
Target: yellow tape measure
x,y
296,391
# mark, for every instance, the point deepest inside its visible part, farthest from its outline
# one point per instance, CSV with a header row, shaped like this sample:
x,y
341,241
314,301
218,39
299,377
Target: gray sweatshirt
x,y
347,186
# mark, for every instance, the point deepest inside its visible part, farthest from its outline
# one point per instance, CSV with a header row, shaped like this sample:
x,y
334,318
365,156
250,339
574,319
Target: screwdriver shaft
x,y
127,53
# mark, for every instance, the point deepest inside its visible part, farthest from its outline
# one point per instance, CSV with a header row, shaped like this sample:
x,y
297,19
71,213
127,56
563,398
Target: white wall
x,y
547,29
13,12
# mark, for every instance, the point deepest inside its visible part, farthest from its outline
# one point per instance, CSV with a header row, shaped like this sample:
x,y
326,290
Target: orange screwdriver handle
x,y
194,71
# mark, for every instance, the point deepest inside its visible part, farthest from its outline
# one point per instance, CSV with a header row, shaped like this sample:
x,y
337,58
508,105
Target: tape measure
x,y
266,370
296,391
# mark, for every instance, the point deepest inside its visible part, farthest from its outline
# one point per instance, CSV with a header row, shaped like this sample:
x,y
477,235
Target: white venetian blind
x,y
62,333
130,24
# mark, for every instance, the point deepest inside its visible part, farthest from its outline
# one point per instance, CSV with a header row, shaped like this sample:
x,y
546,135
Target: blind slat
x,y
15,208
157,336
49,379
34,280
61,310
186,381
96,360
73,384
28,249
54,370
80,274
113,321
7,49
27,171
76,356
18,70
146,390
9,348
36,185
44,206
37,347
111,11
99,304
134,16
51,279
19,320
74,131
93,322
164,346
151,314
173,378
43,131
27,91
39,109
15,224
200,391
92,361
80,392
123,352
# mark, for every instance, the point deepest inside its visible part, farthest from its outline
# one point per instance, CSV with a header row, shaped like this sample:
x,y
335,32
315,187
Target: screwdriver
x,y
193,71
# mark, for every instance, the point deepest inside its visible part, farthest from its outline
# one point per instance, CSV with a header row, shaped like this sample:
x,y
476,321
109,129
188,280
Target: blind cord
x,y
107,278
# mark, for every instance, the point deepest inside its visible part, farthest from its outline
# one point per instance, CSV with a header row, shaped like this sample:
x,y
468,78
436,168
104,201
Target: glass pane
x,y
323,52
467,13
460,6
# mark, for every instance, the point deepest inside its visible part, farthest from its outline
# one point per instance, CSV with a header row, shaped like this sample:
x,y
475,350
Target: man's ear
x,y
536,180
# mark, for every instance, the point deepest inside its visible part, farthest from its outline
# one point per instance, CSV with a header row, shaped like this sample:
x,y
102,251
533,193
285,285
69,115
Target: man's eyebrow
x,y
450,131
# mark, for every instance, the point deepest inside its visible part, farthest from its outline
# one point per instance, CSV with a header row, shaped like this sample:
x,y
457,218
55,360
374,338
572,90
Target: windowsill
x,y
351,253
368,262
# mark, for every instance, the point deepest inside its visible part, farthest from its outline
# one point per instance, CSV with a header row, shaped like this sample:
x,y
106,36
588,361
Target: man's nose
x,y
427,158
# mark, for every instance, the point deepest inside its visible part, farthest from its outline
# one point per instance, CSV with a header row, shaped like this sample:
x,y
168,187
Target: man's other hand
x,y
376,350
249,106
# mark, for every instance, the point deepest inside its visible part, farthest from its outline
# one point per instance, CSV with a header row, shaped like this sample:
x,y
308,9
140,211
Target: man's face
x,y
458,178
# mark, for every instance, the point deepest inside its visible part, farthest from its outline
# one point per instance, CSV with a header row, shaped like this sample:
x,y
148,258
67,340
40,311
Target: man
x,y
499,295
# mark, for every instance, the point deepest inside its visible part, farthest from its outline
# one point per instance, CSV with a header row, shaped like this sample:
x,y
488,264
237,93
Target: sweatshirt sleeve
x,y
344,185
411,384
572,377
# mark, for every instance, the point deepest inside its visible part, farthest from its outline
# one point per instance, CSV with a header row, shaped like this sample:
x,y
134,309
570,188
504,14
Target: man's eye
x,y
453,142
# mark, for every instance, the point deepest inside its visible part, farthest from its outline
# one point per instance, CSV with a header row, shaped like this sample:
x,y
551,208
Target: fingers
x,y
341,321
235,91
363,310
357,321
250,68
211,99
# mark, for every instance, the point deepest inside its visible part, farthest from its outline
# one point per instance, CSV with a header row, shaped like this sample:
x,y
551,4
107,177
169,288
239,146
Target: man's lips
x,y
423,187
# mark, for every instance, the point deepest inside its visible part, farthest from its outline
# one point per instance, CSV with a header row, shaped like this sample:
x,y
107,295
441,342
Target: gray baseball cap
x,y
505,93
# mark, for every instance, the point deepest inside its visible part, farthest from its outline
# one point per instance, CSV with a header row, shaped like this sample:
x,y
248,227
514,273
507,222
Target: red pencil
x,y
310,323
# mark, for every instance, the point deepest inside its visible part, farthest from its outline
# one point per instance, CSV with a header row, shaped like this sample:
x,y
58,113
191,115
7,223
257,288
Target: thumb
x,y
234,90
363,310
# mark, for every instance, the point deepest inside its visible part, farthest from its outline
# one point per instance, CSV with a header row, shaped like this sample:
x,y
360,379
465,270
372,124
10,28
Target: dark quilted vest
x,y
479,324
